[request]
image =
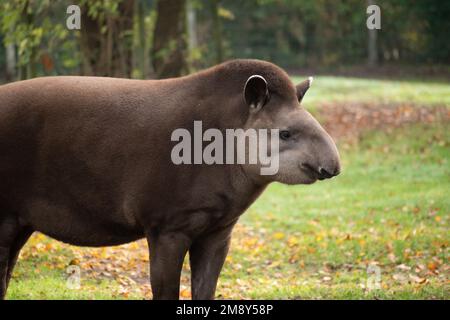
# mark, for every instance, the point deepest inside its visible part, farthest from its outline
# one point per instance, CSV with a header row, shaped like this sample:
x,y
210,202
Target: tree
x,y
31,28
372,43
192,25
169,52
10,62
140,54
106,37
217,30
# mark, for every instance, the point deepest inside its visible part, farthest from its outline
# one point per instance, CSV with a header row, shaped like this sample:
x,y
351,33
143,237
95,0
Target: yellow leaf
x,y
292,241
278,235
74,262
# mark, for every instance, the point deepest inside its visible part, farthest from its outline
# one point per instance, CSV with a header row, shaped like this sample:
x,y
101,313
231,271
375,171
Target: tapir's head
x,y
306,151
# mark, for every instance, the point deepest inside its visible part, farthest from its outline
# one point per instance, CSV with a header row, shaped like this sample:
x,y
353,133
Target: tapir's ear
x,y
256,93
303,87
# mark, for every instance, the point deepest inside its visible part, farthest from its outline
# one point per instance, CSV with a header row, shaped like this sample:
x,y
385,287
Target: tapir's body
x,y
87,161
93,166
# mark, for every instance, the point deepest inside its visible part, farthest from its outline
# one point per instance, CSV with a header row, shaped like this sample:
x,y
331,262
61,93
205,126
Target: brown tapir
x,y
87,161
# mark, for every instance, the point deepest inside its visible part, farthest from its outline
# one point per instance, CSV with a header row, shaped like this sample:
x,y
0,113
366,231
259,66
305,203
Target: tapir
x,y
87,161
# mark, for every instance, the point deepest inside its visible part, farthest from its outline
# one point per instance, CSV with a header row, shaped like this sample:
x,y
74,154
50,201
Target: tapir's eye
x,y
285,134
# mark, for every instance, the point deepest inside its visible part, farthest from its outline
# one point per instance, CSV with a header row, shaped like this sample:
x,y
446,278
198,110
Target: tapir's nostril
x,y
325,174
321,173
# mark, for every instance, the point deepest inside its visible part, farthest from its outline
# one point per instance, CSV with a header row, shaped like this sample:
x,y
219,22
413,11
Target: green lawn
x,y
389,209
327,89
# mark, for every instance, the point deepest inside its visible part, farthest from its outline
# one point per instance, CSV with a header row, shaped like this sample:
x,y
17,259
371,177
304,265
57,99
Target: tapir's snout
x,y
322,173
325,174
323,160
329,159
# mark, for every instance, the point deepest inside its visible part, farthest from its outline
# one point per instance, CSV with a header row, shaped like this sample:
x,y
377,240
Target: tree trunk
x,y
123,40
192,25
28,71
90,44
140,43
217,30
372,49
169,41
10,62
109,46
109,53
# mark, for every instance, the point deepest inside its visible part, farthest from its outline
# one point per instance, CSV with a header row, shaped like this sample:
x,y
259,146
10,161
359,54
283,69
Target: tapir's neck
x,y
245,187
217,101
212,96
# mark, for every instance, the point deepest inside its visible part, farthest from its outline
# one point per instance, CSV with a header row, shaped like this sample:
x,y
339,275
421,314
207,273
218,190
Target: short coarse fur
x,y
86,160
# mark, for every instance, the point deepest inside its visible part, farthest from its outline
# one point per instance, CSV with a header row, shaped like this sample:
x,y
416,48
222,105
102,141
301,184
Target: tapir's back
x,y
84,117
69,146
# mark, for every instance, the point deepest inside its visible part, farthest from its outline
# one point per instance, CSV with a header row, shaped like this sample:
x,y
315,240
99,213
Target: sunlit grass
x,y
328,89
389,207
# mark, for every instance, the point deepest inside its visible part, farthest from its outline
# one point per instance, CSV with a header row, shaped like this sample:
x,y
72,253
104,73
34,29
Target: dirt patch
x,y
348,121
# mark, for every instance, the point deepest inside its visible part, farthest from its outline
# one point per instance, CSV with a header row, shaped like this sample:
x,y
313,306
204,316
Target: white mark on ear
x,y
310,79
256,92
256,76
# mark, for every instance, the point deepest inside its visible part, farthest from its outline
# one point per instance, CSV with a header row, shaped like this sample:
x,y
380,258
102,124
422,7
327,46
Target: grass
x,y
388,210
329,89
42,274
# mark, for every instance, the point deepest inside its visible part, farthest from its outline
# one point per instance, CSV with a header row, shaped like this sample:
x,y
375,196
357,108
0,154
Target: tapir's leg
x,y
14,251
9,230
4,256
207,256
167,252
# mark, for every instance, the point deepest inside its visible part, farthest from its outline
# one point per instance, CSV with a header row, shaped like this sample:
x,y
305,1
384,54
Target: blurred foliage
x,y
329,33
35,42
292,33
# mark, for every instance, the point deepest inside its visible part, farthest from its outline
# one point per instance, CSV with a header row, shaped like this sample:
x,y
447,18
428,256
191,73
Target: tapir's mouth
x,y
310,171
316,174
